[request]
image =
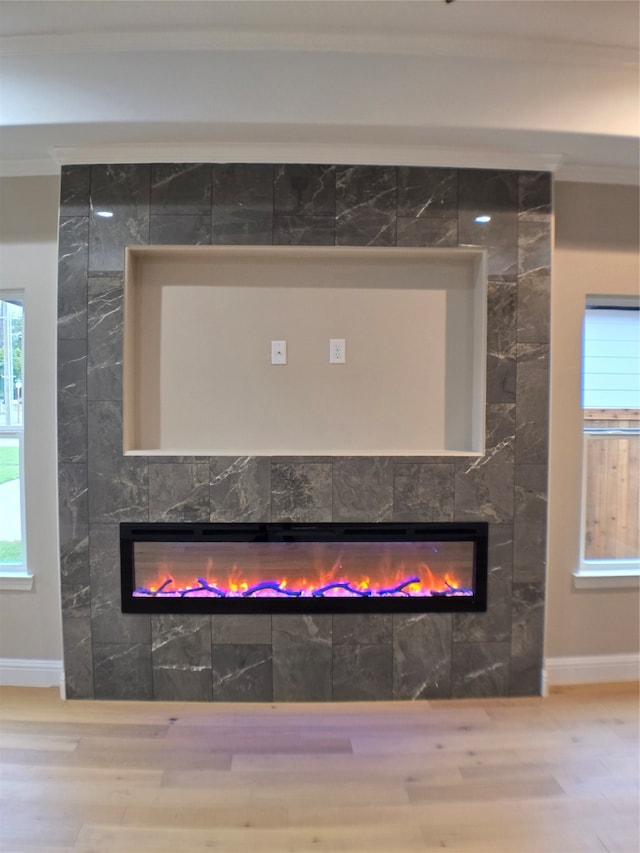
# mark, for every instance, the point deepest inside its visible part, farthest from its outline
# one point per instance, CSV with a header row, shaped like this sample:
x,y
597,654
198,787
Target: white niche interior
x,y
198,327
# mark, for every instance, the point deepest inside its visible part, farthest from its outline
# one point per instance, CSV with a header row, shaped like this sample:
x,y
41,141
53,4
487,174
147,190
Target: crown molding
x,y
328,41
383,154
323,152
586,174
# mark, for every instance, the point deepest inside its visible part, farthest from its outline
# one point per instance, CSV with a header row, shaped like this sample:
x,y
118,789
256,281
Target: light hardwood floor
x,y
497,775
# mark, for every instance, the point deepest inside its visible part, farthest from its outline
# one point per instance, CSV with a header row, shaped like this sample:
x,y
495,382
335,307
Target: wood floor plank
x,y
498,775
387,839
55,743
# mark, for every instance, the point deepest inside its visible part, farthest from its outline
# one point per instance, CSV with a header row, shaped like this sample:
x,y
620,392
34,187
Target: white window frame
x,y
16,576
602,572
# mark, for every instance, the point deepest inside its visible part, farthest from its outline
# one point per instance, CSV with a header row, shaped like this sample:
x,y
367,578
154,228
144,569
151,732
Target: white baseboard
x,y
26,672
592,669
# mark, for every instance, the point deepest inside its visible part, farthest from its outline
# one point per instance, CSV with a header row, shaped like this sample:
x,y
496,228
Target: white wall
x,y
30,622
596,252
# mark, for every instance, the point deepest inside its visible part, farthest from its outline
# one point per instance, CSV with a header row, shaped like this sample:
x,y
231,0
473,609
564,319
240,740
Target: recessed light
x,y
105,214
482,219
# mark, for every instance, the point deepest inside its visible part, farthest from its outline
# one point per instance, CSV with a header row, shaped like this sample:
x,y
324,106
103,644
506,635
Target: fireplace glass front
x,y
303,568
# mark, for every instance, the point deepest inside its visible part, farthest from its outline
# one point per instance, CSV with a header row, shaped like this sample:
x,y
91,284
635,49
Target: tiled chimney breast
x,y
265,658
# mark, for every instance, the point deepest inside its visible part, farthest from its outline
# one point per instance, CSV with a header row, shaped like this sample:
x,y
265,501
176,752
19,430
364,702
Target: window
x,y
611,454
12,539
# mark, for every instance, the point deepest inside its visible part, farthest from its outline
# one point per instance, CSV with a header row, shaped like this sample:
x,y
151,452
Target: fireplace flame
x,y
332,583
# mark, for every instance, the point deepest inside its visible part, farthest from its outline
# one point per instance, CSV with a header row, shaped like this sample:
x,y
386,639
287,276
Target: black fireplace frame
x,y
476,532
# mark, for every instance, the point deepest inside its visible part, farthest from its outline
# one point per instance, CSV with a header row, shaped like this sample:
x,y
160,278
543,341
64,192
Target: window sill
x,y
603,574
15,581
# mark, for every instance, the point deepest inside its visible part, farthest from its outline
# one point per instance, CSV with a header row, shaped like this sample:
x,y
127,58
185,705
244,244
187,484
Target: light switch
x,y
278,352
337,351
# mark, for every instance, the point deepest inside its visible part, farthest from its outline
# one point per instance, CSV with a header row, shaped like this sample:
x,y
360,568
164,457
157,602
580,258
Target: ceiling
x,y
516,84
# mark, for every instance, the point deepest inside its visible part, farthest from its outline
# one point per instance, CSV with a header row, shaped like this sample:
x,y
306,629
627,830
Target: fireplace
x,y
307,656
303,568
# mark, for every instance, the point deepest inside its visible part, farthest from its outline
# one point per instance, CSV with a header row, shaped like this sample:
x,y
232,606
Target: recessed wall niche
x,y
198,327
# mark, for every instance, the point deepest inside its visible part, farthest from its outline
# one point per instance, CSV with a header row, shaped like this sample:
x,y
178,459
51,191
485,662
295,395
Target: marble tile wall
x,y
301,658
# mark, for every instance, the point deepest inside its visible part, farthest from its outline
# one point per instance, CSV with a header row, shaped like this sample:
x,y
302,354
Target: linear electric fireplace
x,y
303,568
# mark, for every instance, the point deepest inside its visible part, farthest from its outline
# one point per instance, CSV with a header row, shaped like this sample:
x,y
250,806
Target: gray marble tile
x,y
480,669
242,673
180,230
123,190
425,192
305,190
356,185
534,298
289,230
240,227
301,491
182,683
179,492
499,237
302,658
109,624
488,190
78,656
181,658
427,232
73,523
362,672
242,209
502,318
484,485
530,523
72,401
493,193
72,368
527,639
364,225
421,459
122,671
72,429
248,186
118,494
422,655
232,629
363,488
534,196
74,190
365,206
532,418
73,257
240,488
176,460
76,640
303,460
104,368
180,188
362,628
500,428
181,640
495,624
118,485
423,491
534,246
76,600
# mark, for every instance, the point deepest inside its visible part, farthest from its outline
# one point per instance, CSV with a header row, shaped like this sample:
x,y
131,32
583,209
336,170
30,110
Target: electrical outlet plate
x,y
278,352
337,351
